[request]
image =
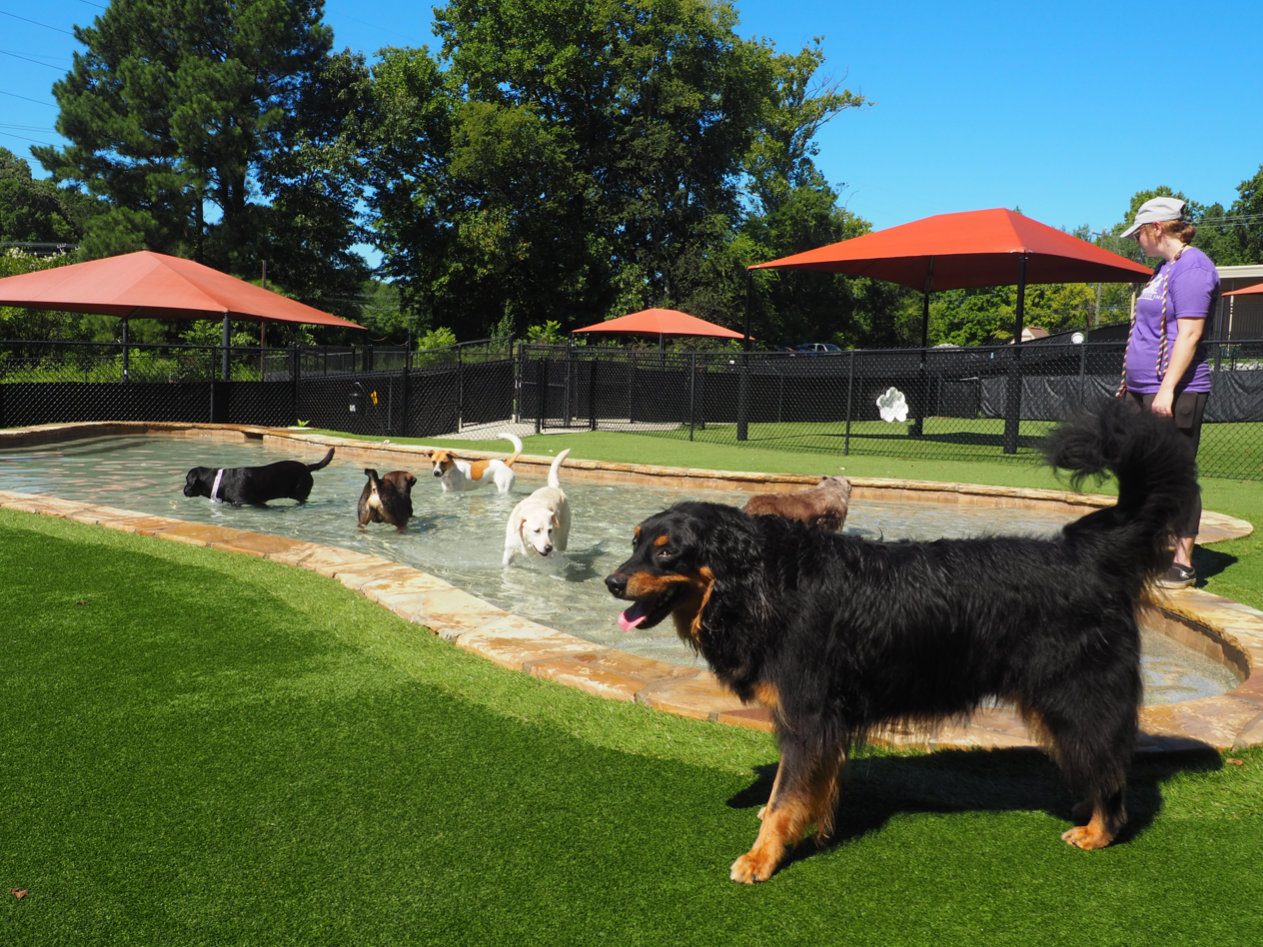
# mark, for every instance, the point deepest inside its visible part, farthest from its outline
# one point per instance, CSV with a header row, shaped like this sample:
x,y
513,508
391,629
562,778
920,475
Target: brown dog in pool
x,y
386,499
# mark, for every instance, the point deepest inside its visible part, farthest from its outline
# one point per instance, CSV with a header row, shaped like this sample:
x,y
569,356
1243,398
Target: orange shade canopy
x,y
662,322
1254,290
974,248
148,285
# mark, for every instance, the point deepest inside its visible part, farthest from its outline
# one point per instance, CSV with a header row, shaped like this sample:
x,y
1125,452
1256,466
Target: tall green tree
x,y
1234,237
571,159
209,128
985,316
34,213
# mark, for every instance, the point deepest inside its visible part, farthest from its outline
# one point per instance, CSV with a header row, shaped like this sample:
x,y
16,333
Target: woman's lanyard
x,y
1163,354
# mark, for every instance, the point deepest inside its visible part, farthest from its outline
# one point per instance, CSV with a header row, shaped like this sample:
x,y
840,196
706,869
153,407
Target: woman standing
x,y
1165,367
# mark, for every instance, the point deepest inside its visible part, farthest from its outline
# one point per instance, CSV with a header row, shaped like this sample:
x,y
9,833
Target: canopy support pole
x,y
921,403
224,369
125,366
743,379
1013,392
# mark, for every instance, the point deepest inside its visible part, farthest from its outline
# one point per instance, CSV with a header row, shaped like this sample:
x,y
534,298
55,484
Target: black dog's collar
x,y
219,475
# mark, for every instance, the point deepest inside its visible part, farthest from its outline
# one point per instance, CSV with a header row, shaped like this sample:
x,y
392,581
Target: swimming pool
x,y
460,537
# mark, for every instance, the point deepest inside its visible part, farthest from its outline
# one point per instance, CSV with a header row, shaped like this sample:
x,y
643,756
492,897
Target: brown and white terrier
x,y
457,474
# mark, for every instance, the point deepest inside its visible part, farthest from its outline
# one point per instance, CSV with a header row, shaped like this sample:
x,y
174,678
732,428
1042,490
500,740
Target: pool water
x,y
460,536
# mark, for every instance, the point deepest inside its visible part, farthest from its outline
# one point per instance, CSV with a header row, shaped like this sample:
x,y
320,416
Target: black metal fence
x,y
943,403
383,391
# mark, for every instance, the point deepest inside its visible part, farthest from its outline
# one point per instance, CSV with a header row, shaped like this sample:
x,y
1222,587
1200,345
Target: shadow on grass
x,y
875,789
1208,562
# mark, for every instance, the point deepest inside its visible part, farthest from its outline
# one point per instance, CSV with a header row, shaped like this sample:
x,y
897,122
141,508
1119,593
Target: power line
x,y
57,29
33,141
27,98
49,65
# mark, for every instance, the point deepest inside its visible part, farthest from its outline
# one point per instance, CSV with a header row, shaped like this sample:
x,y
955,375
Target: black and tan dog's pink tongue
x,y
632,617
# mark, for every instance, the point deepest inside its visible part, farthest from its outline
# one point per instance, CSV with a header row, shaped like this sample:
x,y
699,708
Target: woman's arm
x,y
1188,333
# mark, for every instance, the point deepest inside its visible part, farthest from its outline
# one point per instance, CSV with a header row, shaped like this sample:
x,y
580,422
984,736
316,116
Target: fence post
x,y
541,393
692,391
404,394
592,394
295,362
743,397
460,388
850,399
568,398
1083,371
631,385
917,427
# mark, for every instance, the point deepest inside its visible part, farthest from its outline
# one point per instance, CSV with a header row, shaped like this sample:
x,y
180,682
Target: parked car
x,y
814,348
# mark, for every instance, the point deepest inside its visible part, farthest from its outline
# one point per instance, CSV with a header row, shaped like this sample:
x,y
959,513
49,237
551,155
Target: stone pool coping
x,y
1224,630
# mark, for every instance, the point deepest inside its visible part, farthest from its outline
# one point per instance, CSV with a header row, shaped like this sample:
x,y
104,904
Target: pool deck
x,y
1220,628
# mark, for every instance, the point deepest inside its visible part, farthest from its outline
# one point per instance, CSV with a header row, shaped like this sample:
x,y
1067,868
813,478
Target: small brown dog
x,y
823,505
387,499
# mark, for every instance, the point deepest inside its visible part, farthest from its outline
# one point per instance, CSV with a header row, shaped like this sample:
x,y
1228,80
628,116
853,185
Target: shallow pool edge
x,y
1227,631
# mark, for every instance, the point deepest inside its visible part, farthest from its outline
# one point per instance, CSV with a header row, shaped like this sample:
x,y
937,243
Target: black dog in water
x,y
840,636
285,479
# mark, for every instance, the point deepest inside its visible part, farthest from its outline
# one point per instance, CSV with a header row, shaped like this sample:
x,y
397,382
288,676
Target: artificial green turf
x,y
202,748
199,748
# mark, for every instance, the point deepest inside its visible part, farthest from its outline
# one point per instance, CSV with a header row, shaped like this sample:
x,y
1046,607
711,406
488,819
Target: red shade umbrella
x,y
975,248
662,322
147,285
1256,289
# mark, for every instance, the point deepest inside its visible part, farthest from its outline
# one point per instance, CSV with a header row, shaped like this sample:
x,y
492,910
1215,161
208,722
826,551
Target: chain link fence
x,y
989,402
944,403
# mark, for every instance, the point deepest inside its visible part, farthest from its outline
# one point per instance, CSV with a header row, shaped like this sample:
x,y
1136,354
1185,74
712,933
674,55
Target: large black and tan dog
x,y
841,636
285,479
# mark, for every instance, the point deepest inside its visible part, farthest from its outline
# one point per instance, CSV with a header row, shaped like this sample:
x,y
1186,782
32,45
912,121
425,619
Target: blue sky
x,y
1060,110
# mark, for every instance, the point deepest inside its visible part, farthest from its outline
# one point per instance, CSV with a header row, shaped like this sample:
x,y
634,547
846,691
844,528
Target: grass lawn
x,y
200,748
1225,450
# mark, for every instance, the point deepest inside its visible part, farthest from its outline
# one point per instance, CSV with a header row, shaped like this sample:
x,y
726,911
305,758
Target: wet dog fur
x,y
540,522
840,637
386,499
456,473
825,505
254,486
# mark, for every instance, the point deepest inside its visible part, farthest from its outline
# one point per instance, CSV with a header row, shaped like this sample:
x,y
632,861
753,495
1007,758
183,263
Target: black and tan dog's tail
x,y
1155,468
323,462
